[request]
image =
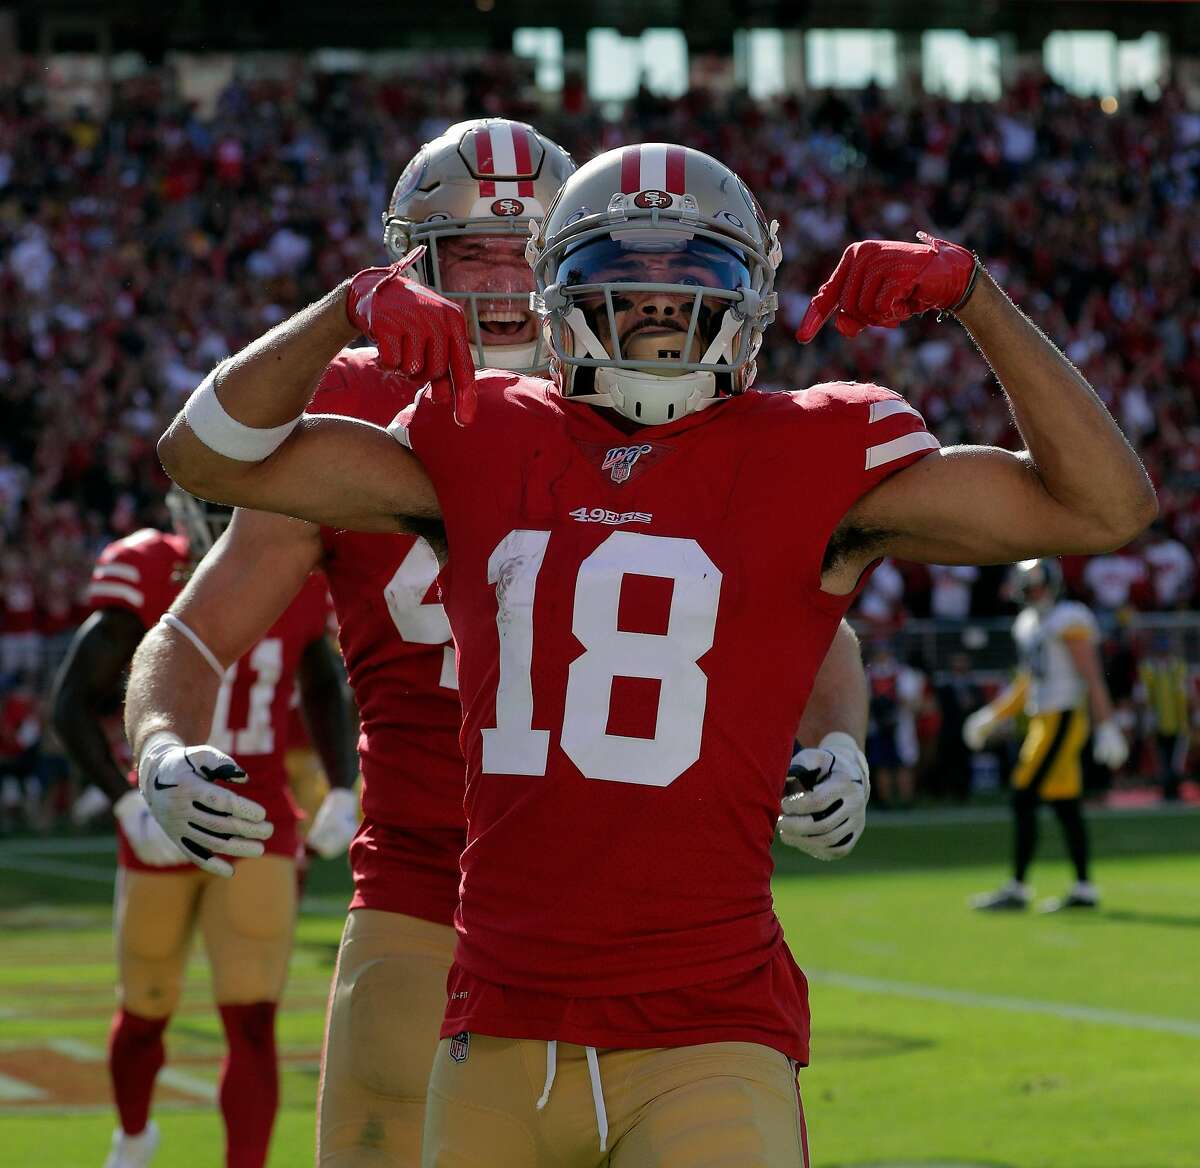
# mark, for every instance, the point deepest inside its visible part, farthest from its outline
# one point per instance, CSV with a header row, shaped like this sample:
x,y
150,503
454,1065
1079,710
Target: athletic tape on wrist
x,y
173,622
224,434
158,740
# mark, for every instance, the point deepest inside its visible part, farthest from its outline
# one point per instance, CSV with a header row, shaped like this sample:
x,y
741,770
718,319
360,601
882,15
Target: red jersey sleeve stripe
x,y
631,169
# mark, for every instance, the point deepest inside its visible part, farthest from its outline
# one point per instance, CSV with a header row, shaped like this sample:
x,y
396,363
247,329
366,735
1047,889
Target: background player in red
x,y
638,627
467,197
162,899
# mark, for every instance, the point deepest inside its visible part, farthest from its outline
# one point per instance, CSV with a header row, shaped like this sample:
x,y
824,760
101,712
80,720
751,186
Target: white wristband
x,y
156,744
224,434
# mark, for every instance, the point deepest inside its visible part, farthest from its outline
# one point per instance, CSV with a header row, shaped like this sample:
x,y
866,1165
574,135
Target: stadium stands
x,y
138,249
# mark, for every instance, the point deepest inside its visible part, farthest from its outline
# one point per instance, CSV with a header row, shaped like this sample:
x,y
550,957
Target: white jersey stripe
x,y
654,168
886,409
121,571
118,591
887,452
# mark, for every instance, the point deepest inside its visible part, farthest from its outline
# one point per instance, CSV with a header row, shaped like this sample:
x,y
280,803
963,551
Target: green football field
x,y
941,1037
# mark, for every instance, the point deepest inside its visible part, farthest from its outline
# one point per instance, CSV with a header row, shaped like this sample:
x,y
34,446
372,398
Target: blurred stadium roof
x,y
152,27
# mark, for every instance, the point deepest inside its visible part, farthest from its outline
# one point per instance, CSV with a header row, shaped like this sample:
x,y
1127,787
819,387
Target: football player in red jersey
x,y
639,616
161,898
399,938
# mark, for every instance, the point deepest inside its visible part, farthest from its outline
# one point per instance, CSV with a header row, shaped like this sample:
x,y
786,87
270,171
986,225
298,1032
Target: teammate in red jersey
x,y
647,562
389,994
468,197
161,899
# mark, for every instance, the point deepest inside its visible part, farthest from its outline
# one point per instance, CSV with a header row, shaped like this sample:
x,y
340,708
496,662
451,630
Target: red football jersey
x,y
639,621
143,574
399,657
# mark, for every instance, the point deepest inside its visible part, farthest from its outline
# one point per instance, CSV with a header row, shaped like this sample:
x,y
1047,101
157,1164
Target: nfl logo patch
x,y
460,1046
619,461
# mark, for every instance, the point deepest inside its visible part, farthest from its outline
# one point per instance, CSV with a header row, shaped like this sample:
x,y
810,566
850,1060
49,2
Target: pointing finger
x,y
826,300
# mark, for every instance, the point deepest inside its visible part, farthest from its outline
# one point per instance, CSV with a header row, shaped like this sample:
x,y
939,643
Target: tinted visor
x,y
654,257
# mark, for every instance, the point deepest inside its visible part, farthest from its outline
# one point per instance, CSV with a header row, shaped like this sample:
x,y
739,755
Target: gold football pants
x,y
717,1105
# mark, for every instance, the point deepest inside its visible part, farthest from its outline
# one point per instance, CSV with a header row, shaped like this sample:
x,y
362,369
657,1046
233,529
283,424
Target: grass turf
x,y
940,1036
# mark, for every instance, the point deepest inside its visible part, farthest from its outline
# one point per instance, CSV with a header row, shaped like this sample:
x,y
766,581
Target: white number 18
x,y
514,747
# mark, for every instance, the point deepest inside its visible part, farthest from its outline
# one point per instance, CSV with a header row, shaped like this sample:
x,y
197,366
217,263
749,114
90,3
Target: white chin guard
x,y
651,399
520,357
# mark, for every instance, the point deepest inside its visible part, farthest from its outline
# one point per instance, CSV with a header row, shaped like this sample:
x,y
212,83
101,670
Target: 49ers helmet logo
x,y
507,207
648,200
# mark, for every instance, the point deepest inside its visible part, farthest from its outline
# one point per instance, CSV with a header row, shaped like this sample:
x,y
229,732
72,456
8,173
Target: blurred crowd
x,y
141,246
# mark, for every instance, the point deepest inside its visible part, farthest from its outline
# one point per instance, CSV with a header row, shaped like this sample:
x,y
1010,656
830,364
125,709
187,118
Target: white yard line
x,y
929,993
18,1091
188,1084
85,1052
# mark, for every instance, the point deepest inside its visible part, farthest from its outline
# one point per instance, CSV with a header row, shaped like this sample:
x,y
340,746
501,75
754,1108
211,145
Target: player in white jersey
x,y
1059,679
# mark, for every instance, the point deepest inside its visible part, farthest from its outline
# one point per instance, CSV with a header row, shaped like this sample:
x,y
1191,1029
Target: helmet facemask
x,y
480,264
469,197
201,522
1037,583
652,312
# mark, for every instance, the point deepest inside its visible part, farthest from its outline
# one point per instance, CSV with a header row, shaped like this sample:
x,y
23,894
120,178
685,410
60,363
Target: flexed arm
x,y
241,438
1077,488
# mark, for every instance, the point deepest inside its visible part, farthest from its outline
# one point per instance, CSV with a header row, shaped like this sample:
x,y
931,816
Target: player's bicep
x,y
967,505
242,586
335,471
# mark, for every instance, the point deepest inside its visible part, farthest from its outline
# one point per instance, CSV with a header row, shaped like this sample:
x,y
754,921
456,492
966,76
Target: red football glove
x,y
419,333
884,282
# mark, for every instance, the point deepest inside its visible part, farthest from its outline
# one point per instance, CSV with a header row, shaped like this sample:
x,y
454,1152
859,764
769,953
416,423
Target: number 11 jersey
x,y
639,621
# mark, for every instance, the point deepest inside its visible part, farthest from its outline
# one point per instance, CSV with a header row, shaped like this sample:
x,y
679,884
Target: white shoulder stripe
x,y
887,452
121,571
118,591
885,409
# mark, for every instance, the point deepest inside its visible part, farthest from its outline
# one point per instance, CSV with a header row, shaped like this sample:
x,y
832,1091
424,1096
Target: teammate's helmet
x,y
484,178
202,522
1044,576
655,221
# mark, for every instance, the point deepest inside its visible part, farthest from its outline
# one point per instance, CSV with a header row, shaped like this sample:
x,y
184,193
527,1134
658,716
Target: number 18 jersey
x,y
639,622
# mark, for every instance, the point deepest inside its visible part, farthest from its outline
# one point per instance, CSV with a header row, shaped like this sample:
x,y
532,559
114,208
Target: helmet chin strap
x,y
652,398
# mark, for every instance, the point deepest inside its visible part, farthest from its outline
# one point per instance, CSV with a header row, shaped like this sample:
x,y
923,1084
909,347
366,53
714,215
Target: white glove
x,y
1109,747
91,802
978,728
197,814
334,824
827,821
150,843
